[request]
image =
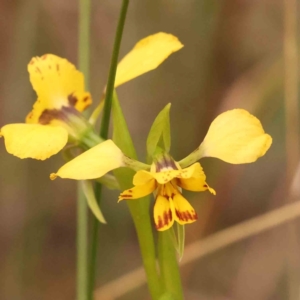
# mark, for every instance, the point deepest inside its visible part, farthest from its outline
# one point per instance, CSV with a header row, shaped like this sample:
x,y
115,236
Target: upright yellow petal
x,y
163,213
93,163
236,137
146,55
34,140
57,83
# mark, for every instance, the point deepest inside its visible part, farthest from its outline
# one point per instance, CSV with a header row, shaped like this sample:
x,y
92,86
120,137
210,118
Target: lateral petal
x,y
146,55
34,140
138,191
236,137
195,185
93,163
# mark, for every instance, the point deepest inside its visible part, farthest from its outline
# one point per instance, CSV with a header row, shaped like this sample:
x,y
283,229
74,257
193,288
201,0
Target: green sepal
x,y
178,239
159,134
87,188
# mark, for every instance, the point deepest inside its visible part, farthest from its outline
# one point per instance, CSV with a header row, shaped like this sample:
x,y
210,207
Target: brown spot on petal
x,y
44,56
85,99
72,100
129,191
37,69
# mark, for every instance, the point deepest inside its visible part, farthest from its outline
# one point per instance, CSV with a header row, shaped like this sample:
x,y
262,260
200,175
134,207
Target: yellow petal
x,y
138,191
163,213
184,212
236,137
57,83
93,163
195,185
166,176
142,177
146,55
34,140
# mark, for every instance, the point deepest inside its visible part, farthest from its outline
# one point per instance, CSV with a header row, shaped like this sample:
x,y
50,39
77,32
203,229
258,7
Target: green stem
x,y
139,208
169,266
104,134
82,209
112,72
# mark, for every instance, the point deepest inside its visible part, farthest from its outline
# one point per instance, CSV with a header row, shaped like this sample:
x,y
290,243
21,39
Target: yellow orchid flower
x,y
56,113
56,117
167,178
235,136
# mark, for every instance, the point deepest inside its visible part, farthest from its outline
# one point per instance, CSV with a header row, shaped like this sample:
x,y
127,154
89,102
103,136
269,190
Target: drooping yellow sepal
x,y
34,140
57,83
93,163
236,137
146,55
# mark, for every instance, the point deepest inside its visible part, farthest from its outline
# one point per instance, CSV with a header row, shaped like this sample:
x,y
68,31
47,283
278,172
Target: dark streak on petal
x,y
58,114
186,215
126,196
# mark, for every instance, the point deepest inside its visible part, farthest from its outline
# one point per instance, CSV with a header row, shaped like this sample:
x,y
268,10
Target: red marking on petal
x,y
129,191
126,196
186,215
86,98
160,224
165,219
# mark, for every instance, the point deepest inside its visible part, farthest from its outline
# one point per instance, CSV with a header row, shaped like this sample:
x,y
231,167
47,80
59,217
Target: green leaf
x,y
88,191
167,296
160,132
121,135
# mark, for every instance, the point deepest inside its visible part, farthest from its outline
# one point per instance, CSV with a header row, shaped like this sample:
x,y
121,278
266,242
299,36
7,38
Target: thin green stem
x,y
112,72
82,209
84,39
169,266
82,245
104,134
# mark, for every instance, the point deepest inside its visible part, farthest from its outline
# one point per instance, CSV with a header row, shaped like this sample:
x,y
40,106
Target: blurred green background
x,y
233,58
